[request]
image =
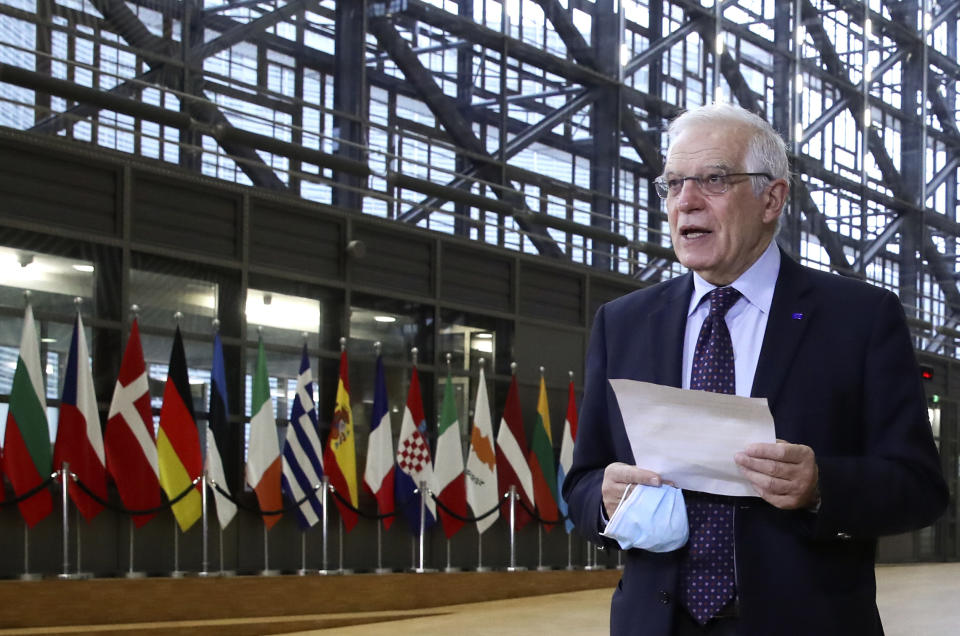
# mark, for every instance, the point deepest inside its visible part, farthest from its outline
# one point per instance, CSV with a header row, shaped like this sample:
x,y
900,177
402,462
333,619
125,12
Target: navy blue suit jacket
x,y
838,369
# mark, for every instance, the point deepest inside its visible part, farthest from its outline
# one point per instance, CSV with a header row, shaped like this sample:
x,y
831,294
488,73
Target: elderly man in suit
x,y
855,458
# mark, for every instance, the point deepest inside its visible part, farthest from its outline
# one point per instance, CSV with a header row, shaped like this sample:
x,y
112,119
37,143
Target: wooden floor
x,y
914,600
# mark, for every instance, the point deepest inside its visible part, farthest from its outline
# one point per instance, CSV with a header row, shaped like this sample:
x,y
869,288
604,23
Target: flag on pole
x,y
542,466
128,441
378,475
302,470
481,471
264,465
178,442
340,456
566,451
512,467
414,461
448,468
219,424
79,439
26,441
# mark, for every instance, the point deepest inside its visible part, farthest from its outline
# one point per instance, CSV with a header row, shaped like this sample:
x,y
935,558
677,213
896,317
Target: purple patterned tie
x,y
707,571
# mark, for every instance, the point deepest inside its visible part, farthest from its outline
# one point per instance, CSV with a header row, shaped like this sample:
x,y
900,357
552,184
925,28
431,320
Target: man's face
x,y
719,236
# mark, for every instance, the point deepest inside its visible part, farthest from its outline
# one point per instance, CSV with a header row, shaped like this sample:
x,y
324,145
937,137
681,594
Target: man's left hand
x,y
785,475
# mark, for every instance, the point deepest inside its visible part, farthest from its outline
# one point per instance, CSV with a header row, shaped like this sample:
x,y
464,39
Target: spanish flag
x,y
178,442
340,456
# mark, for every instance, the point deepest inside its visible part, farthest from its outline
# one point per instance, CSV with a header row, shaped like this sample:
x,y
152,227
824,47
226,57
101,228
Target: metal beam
x,y
447,114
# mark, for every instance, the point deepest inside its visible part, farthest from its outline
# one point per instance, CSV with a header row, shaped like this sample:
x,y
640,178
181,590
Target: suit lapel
x,y
790,312
666,329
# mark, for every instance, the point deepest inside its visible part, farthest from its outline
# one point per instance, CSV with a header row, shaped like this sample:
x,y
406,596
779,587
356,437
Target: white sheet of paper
x,y
690,437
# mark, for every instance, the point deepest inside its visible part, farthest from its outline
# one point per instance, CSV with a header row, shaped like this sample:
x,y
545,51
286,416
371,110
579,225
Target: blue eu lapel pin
x,y
798,316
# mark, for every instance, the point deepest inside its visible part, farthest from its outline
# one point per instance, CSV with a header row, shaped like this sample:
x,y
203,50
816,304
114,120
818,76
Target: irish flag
x,y
542,466
26,442
264,466
448,468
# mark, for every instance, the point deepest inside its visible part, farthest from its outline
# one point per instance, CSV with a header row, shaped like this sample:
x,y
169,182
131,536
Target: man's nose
x,y
690,196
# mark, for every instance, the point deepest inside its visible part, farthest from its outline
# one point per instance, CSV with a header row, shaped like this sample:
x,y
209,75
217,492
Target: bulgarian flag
x,y
26,441
79,440
542,466
448,468
264,466
340,456
512,467
178,442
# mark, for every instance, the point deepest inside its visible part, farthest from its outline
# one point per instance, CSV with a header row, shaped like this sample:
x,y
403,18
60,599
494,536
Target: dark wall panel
x,y
603,291
476,277
296,238
186,216
393,261
551,294
59,192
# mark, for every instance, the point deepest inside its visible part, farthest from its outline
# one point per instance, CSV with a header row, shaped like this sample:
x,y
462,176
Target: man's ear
x,y
774,198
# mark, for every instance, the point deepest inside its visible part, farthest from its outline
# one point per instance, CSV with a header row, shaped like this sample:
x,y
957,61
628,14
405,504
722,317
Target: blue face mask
x,y
650,518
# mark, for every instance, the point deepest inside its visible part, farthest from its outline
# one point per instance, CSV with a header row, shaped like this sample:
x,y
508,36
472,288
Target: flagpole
x,y
480,567
27,575
131,574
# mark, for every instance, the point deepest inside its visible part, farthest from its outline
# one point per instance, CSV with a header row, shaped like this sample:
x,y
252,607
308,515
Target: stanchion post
x,y
480,566
570,551
176,550
512,494
205,529
323,505
423,523
64,499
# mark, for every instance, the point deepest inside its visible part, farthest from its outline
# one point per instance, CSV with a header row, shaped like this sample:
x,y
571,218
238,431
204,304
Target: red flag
x,y
512,467
129,443
79,440
340,455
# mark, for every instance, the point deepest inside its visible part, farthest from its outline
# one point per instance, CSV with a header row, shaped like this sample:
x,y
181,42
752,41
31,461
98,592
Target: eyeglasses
x,y
717,183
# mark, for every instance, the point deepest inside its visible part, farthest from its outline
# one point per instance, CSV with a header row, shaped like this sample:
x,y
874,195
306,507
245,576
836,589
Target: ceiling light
x,y
385,319
86,269
483,334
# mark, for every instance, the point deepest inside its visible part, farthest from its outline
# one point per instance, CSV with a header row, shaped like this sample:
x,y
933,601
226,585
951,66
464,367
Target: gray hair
x,y
766,150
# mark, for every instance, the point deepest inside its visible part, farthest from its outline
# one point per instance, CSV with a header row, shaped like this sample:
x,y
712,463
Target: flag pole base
x,y
135,575
205,574
30,576
71,576
269,573
328,572
226,573
422,570
482,568
544,568
451,568
570,568
592,568
303,572
516,568
383,571
177,574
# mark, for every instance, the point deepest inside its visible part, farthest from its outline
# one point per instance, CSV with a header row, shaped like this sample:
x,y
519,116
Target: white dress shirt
x,y
746,320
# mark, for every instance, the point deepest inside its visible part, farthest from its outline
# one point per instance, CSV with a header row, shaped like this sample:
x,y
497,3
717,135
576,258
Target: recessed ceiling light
x,y
385,319
83,268
48,340
483,334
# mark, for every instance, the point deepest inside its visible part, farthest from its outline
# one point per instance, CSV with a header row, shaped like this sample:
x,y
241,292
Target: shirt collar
x,y
756,284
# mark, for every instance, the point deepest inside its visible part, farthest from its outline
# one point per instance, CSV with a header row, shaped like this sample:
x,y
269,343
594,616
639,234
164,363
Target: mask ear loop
x,y
623,497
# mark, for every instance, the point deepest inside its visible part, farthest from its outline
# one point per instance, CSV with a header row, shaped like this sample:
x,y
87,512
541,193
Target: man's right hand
x,y
616,478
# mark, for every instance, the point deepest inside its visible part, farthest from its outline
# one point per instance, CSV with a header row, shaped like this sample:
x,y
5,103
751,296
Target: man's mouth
x,y
693,232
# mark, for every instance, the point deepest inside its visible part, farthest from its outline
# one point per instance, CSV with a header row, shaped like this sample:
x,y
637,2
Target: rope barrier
x,y
257,509
459,517
134,513
536,517
29,493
